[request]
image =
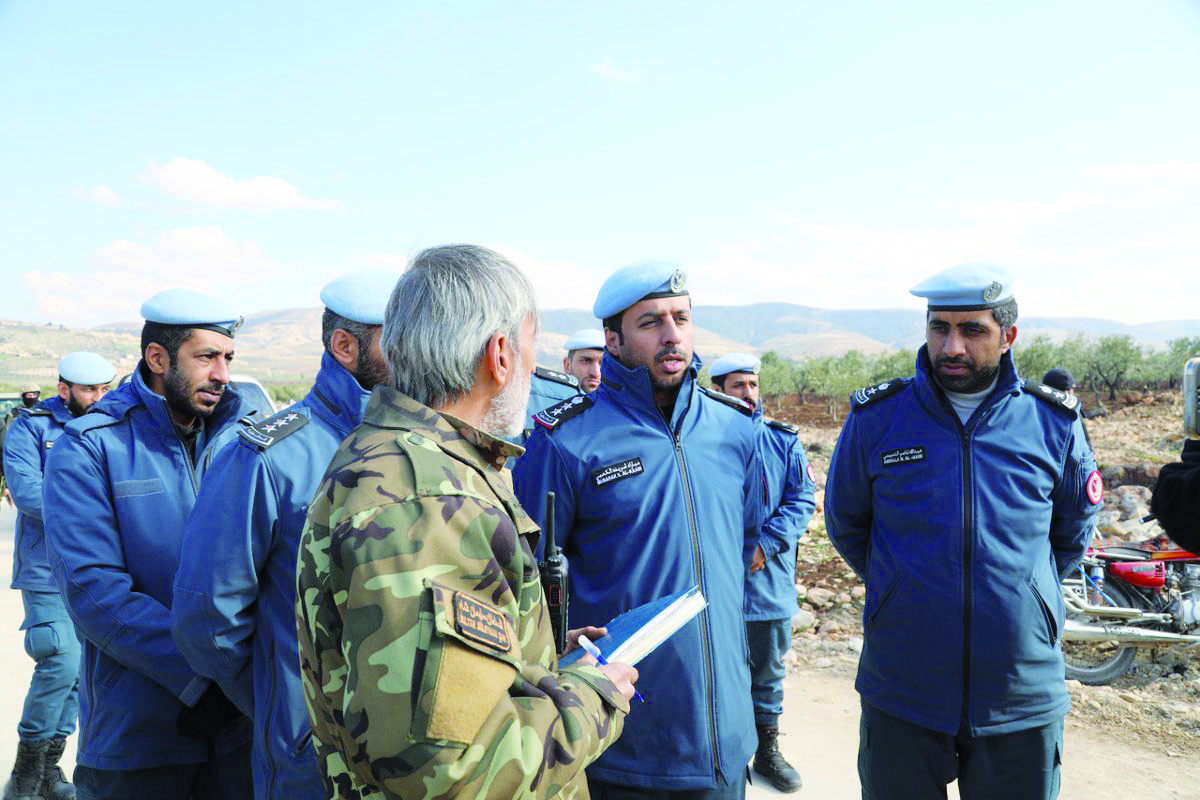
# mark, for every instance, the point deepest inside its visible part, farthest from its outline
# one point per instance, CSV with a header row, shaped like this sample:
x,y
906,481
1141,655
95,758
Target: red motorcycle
x,y
1126,597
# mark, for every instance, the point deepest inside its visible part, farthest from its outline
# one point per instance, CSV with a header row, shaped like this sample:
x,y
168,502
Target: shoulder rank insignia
x,y
90,421
550,418
780,425
1051,395
37,411
274,428
557,377
721,397
871,394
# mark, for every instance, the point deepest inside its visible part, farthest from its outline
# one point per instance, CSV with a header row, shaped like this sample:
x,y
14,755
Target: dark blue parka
x,y
644,508
119,487
962,533
234,616
29,440
771,592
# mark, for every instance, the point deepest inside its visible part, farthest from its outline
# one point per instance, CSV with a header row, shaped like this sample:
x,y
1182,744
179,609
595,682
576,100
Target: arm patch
x,y
873,394
550,418
733,402
557,377
780,425
273,429
1052,396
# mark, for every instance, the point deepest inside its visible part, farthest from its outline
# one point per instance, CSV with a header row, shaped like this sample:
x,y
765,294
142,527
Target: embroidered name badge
x,y
904,455
615,472
480,622
1095,487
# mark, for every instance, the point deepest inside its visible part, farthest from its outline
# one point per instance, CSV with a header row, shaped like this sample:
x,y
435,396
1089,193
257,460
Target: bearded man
x,y
119,486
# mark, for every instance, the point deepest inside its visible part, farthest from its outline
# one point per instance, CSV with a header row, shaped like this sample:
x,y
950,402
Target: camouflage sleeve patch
x,y
557,377
273,429
867,395
732,402
1052,396
556,415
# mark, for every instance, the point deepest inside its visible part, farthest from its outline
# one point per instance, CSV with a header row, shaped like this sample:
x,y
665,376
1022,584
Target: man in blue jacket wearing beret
x,y
234,616
658,482
771,582
52,703
962,496
120,483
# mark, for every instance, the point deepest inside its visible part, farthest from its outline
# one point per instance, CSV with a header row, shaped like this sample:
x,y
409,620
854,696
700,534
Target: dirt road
x,y
820,729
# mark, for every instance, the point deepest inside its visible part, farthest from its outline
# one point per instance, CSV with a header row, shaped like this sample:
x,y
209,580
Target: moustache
x,y
669,351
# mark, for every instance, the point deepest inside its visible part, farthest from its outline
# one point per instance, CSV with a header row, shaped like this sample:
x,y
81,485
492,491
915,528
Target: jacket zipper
x,y
968,553
705,638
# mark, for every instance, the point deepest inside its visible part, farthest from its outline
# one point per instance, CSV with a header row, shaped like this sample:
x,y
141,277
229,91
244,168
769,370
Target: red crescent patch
x,y
1095,487
812,476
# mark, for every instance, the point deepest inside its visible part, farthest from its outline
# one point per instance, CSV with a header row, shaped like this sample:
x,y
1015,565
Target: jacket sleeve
x,y
787,523
539,471
23,465
1076,503
87,556
413,706
849,498
755,500
1176,499
225,545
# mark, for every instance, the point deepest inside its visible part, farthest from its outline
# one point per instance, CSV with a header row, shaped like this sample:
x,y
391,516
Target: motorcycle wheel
x,y
1101,663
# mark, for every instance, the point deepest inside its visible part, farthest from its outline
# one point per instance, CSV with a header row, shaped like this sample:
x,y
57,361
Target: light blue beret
x,y
734,362
586,339
86,369
967,287
190,309
361,296
637,282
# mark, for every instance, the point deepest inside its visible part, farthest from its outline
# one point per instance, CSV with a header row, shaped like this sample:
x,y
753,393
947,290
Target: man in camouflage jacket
x,y
426,650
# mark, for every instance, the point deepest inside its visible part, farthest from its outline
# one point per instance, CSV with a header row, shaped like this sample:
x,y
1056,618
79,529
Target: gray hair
x,y
445,307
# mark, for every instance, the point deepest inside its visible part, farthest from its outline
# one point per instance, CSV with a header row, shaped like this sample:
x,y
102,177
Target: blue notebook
x,y
635,634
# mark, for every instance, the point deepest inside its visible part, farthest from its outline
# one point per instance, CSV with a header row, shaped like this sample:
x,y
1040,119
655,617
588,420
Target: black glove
x,y
212,713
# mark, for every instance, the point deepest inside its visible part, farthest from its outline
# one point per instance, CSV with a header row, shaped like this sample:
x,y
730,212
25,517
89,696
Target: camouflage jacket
x,y
425,645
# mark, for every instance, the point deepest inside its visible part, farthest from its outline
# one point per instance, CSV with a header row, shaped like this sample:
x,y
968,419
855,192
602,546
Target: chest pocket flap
x,y
140,488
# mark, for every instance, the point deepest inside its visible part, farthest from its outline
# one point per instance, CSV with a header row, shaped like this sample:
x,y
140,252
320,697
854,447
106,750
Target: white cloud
x,y
1174,170
100,195
123,273
557,283
200,183
607,69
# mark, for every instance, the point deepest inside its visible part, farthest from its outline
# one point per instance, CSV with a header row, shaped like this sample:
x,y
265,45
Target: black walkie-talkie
x,y
553,568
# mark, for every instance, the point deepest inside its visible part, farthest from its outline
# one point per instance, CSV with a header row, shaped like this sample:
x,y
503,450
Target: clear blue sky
x,y
831,154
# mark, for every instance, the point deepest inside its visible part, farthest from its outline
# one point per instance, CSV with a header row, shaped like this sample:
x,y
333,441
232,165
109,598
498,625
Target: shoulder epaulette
x,y
273,429
1051,395
729,400
90,422
37,411
780,425
550,418
557,377
873,394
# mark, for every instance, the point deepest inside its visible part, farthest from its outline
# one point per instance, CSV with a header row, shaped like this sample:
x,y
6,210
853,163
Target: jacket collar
x,y
57,408
934,396
337,397
631,388
136,392
388,408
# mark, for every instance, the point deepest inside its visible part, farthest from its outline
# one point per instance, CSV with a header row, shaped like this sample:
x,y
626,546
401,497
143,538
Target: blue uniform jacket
x,y
234,616
30,437
771,592
645,508
119,486
962,534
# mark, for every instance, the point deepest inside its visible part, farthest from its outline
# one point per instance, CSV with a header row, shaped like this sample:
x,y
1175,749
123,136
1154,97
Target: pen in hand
x,y
594,652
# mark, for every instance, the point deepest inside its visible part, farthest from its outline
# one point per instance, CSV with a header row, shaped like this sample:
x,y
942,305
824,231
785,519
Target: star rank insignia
x,y
272,429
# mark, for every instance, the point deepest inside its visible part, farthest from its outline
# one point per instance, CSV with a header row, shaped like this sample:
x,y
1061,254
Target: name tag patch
x,y
615,472
903,455
480,622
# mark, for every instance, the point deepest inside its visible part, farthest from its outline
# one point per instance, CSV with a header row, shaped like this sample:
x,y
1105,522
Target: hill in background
x,y
283,345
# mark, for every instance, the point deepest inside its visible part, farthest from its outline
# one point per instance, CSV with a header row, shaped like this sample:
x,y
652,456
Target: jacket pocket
x,y
138,488
884,598
468,667
1047,614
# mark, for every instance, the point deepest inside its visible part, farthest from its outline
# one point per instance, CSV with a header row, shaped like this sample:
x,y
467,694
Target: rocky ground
x,y
1157,703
